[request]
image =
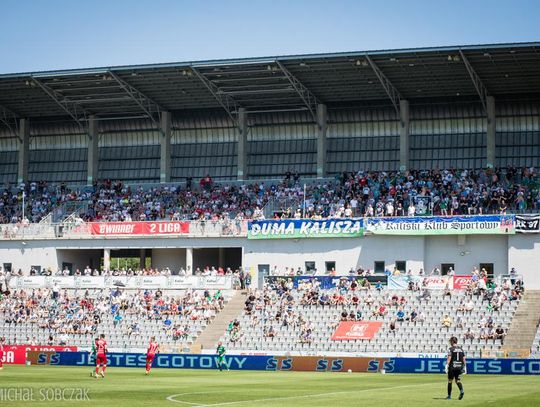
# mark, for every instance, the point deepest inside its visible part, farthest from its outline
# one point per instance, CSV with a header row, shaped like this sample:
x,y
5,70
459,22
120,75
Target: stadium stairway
x,y
213,331
523,328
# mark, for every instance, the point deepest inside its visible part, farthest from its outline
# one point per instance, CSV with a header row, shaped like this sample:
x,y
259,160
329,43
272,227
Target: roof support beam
x,y
477,82
10,120
390,89
305,94
74,110
147,105
225,101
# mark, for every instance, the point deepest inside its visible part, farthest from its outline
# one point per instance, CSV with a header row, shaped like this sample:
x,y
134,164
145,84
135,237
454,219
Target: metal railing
x,y
74,229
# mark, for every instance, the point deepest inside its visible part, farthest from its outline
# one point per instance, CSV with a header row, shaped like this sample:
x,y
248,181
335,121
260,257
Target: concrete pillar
x,y
24,146
93,150
242,145
404,137
165,155
189,260
106,259
221,257
142,259
491,129
322,126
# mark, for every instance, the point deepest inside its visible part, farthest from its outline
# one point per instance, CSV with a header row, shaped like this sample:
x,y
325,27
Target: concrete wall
x,y
80,258
345,252
467,252
524,255
172,258
520,251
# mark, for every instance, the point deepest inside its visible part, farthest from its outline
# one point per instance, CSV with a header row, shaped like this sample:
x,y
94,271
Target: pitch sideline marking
x,y
173,397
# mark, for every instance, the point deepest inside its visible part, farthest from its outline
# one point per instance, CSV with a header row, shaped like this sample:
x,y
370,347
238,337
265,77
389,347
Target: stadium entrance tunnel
x,y
189,259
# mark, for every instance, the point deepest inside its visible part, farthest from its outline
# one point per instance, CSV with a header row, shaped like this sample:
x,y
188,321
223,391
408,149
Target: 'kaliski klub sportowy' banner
x,y
437,225
138,228
352,330
304,228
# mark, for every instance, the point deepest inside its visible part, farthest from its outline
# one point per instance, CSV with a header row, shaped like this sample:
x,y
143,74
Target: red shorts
x,y
101,360
150,357
1,356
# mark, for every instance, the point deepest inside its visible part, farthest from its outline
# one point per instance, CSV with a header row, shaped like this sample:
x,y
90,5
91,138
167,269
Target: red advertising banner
x,y
351,330
16,354
462,282
138,228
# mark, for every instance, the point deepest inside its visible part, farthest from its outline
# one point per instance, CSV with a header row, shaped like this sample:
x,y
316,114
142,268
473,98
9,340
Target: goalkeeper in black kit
x,y
456,365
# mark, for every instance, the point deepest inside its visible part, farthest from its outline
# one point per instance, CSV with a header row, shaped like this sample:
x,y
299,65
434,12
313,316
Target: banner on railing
x,y
295,363
352,330
138,228
528,223
326,282
399,282
130,282
303,228
462,282
431,282
436,225
17,354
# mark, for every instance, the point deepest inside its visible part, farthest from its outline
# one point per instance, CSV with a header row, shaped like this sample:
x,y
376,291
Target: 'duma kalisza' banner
x,y
302,228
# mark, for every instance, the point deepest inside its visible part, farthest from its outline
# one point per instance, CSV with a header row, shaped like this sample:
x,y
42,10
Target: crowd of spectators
x,y
362,193
64,313
281,304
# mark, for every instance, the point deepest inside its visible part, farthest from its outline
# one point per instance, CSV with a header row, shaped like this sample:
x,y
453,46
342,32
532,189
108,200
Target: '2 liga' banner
x,y
138,228
296,228
437,225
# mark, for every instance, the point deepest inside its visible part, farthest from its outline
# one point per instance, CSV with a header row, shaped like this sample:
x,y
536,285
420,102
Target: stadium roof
x,y
295,82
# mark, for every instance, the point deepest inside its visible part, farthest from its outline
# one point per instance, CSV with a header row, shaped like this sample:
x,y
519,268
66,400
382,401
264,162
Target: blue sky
x,y
60,34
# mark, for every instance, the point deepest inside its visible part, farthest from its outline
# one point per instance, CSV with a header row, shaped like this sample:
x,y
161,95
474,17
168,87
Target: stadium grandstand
x,y
362,203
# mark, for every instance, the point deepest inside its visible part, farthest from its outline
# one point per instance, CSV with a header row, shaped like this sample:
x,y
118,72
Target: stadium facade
x,y
254,119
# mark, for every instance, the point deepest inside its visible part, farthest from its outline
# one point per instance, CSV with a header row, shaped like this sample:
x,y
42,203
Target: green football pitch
x,y
47,386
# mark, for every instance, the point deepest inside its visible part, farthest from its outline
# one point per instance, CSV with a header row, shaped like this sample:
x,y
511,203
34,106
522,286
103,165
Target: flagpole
x,y
304,211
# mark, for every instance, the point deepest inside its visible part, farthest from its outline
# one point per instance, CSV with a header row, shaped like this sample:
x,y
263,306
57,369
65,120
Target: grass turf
x,y
130,387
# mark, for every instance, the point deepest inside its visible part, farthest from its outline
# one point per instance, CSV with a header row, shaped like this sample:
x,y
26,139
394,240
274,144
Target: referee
x,y
456,365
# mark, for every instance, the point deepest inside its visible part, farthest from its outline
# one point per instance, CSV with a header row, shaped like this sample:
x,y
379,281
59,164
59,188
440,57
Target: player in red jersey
x,y
2,340
153,348
101,355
